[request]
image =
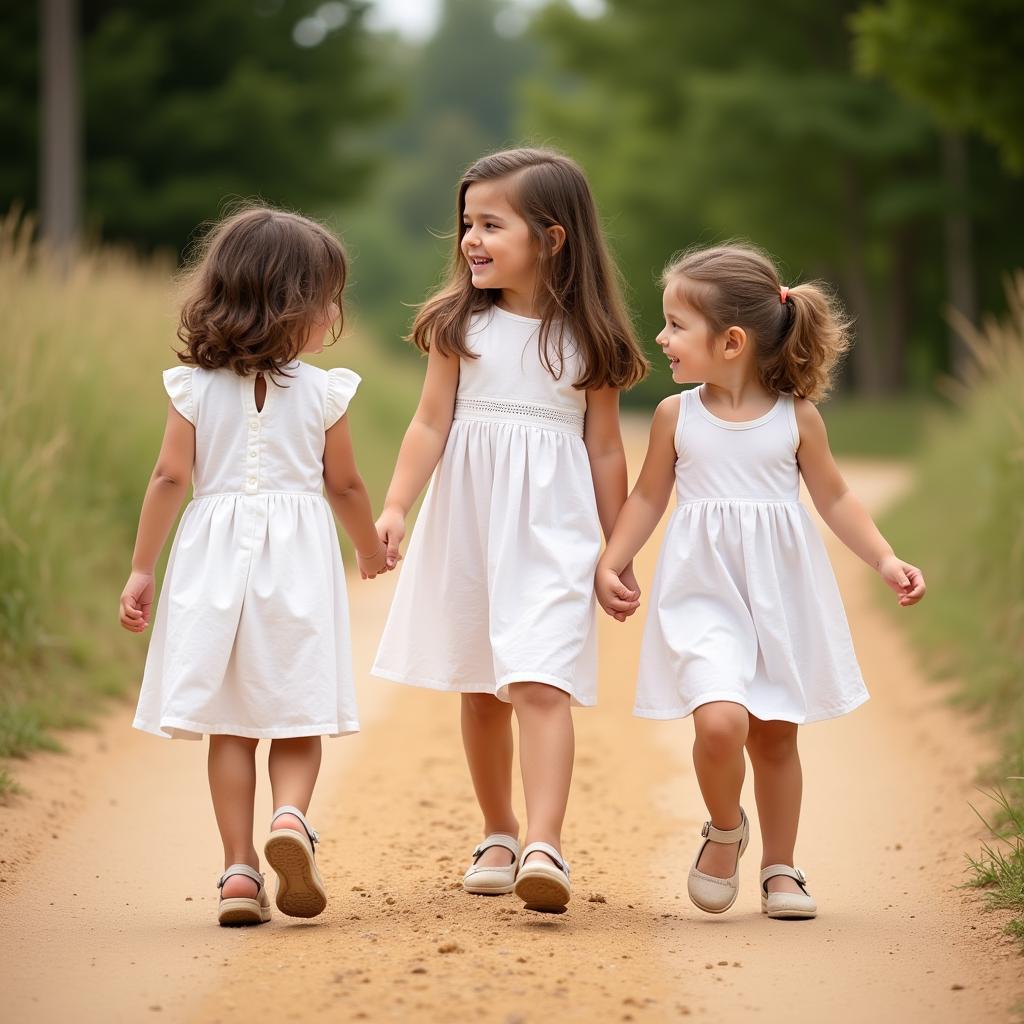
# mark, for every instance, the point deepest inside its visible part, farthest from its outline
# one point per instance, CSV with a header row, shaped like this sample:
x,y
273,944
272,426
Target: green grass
x,y
884,428
81,414
963,523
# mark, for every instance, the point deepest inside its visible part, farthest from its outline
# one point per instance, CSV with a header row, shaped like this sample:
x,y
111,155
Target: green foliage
x,y
960,57
749,121
962,523
189,104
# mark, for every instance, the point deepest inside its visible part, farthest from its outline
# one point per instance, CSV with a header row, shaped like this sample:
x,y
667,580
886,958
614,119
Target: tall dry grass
x,y
964,523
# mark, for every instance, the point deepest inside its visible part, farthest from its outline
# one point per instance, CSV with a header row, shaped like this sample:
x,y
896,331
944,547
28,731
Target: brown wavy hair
x,y
797,343
579,290
256,282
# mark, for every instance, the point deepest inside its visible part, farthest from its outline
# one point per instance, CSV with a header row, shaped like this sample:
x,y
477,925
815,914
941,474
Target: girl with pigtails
x,y
746,629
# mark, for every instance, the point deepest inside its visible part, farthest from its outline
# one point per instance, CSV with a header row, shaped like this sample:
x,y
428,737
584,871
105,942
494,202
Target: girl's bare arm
x,y
168,486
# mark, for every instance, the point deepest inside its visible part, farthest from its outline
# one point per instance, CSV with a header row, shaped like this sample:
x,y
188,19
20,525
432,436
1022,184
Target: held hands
x,y
617,593
136,601
903,578
391,530
371,566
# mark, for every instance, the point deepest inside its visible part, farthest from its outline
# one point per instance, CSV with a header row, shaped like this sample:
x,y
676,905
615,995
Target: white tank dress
x,y
744,606
251,634
497,585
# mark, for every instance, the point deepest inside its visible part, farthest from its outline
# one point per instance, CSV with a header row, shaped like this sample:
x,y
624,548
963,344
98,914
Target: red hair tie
x,y
783,294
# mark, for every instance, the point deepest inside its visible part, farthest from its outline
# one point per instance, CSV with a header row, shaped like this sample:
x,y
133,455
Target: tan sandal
x,y
794,906
710,893
543,886
236,911
490,880
300,889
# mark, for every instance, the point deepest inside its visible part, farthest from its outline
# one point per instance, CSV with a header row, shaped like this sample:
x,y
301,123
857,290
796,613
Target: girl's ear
x,y
556,237
735,341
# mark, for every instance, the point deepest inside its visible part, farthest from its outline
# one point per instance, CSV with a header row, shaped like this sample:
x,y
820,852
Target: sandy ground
x,y
107,866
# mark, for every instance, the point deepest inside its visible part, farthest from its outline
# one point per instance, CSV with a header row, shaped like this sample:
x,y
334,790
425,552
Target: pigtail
x,y
814,335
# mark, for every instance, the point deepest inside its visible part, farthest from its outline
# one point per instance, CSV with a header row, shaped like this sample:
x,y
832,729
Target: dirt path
x,y
107,870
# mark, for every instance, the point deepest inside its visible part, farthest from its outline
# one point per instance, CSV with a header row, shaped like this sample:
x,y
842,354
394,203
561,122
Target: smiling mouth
x,y
479,261
673,361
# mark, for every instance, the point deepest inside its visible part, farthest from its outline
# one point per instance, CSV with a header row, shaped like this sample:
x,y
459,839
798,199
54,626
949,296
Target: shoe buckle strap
x,y
718,835
314,836
785,871
244,870
497,839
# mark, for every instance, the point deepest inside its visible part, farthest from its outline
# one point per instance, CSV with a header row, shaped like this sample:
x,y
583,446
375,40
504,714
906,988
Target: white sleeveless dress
x,y
744,606
497,585
251,634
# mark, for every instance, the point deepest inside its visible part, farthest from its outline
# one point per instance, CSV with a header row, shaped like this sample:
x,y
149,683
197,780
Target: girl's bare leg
x,y
487,738
721,730
232,771
546,750
293,765
778,788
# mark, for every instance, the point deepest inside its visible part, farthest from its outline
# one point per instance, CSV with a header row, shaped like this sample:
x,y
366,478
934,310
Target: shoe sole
x,y
299,892
789,915
480,890
238,912
540,891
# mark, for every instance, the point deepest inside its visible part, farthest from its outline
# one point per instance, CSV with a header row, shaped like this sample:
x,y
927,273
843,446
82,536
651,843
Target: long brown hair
x,y
799,335
579,292
255,284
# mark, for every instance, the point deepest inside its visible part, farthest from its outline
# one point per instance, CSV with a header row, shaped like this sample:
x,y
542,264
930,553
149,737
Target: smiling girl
x,y
746,629
528,347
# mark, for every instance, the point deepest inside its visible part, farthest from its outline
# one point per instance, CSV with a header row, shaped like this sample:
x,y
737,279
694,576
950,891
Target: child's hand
x,y
391,530
614,593
136,601
902,577
371,566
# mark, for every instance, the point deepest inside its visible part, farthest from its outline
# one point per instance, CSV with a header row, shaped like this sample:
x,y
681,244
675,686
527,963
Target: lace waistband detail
x,y
550,417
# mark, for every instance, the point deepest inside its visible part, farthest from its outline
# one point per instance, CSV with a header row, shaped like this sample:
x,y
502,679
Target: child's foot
x,y
290,852
486,878
714,879
495,856
542,882
242,904
783,903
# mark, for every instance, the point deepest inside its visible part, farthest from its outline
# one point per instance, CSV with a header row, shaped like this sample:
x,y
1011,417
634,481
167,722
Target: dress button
x,y
252,453
254,424
252,481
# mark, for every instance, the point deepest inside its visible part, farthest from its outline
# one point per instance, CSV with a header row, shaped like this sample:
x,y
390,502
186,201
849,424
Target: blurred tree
x,y
961,57
748,121
189,103
948,56
698,124
461,90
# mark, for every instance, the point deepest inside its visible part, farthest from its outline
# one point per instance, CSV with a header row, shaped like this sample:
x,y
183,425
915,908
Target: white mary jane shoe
x,y
544,885
782,905
709,893
488,880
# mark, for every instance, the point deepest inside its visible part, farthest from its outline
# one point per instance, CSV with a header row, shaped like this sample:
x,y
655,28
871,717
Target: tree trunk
x,y
60,156
867,377
900,309
960,289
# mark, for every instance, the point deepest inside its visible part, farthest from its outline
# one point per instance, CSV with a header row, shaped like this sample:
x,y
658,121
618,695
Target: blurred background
x,y
878,144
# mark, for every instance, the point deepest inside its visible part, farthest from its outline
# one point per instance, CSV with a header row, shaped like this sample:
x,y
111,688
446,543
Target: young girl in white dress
x,y
528,346
746,630
250,638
